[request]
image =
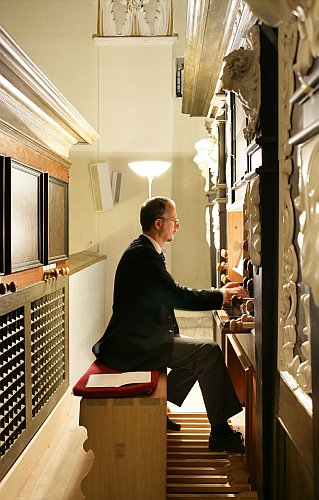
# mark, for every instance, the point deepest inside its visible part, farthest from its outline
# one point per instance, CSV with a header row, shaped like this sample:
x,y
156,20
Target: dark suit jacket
x,y
140,333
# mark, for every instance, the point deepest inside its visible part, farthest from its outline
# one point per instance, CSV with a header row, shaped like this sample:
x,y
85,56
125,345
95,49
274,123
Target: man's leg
x,y
204,359
179,383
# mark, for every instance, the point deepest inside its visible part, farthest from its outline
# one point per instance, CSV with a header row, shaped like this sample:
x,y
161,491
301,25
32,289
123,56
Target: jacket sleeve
x,y
161,287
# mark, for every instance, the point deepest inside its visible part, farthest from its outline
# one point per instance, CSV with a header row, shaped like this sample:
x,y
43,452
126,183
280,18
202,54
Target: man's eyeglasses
x,y
176,221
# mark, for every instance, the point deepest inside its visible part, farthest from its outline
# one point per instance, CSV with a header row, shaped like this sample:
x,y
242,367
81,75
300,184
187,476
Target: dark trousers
x,y
202,360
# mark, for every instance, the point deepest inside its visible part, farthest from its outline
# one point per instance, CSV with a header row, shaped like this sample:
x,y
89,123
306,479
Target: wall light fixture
x,y
149,169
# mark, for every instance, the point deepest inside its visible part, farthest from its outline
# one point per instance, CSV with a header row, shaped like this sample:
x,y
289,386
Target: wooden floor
x,y
64,463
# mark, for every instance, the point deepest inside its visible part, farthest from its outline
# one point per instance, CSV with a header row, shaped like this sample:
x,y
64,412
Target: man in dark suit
x,y
143,333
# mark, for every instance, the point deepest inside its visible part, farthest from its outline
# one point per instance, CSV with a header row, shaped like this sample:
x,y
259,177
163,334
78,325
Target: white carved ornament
x,y
297,373
207,159
135,17
216,225
242,76
307,14
253,226
307,203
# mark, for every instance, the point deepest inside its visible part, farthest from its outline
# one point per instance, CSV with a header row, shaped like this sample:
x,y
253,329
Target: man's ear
x,y
157,224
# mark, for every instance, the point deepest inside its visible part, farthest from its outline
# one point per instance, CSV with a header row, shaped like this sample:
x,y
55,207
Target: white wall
x,y
86,316
133,121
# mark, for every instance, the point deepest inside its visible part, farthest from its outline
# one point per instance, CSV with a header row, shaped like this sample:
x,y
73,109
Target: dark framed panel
x,y
5,214
26,207
57,220
21,216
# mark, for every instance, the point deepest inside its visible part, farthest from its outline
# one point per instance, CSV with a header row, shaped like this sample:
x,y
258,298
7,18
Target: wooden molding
x,y
213,30
34,107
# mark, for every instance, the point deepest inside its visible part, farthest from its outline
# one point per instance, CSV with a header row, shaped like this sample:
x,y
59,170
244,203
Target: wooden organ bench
x,y
126,428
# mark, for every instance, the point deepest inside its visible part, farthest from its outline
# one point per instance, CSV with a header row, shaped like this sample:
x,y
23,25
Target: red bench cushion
x,y
80,388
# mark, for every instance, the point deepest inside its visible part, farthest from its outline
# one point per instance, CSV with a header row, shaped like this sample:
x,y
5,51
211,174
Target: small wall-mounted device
x,y
116,185
101,187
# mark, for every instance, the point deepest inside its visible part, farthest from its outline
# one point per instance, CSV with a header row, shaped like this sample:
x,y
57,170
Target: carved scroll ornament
x,y
216,226
242,76
253,226
307,14
135,18
307,203
207,159
294,367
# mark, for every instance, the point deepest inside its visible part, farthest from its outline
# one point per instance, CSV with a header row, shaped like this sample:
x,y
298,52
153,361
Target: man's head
x,y
158,219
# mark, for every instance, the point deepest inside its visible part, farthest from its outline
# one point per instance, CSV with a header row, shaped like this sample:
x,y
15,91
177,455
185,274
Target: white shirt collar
x,y
156,245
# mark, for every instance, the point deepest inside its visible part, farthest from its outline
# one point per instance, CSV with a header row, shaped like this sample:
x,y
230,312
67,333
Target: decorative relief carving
x,y
216,226
295,371
135,18
288,37
207,161
288,262
242,76
307,203
207,158
253,226
304,369
307,14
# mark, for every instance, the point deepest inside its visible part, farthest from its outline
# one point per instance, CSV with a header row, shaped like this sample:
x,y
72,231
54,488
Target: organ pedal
x,y
195,472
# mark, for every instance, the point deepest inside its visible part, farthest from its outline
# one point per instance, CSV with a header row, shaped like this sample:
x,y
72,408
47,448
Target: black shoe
x,y
172,426
233,442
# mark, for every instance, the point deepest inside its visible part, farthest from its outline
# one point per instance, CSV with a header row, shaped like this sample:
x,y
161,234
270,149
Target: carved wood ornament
x,y
135,17
307,14
293,16
207,162
242,76
253,225
295,370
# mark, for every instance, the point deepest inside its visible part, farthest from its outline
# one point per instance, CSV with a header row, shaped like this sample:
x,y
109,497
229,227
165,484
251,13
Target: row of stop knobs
x,y
54,273
8,287
247,320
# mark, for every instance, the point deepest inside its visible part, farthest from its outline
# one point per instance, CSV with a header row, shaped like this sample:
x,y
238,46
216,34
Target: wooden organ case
x,y
37,129
246,331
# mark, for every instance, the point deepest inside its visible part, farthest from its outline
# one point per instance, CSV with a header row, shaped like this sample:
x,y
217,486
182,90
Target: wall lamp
x,y
149,169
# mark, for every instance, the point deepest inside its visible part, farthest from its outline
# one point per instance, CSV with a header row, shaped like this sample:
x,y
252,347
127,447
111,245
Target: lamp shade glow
x,y
149,169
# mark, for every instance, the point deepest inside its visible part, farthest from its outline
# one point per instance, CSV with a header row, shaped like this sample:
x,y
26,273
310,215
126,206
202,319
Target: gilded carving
x,y
242,76
135,18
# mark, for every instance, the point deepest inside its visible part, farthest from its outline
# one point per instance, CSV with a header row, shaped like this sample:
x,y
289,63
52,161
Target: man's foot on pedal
x,y
172,426
232,443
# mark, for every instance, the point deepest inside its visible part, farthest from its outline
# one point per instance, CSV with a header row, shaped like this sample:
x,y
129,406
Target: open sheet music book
x,y
118,379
